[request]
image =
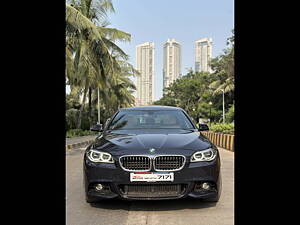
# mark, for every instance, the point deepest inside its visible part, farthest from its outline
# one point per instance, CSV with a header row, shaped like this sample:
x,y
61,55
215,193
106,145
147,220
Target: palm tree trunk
x,y
90,102
81,108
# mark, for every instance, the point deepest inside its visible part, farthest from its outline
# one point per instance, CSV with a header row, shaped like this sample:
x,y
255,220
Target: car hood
x,y
164,142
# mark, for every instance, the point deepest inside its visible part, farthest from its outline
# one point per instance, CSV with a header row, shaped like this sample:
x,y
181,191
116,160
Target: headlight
x,y
97,156
204,155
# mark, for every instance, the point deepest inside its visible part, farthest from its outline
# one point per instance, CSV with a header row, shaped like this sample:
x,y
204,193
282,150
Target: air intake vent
x,y
152,190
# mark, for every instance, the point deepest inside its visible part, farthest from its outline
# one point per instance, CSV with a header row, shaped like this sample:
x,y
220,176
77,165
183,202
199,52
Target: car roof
x,y
151,107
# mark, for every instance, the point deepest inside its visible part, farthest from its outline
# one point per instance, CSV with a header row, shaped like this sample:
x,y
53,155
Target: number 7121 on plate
x,y
151,176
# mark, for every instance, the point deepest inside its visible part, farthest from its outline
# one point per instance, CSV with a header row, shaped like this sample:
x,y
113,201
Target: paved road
x,y
76,140
117,212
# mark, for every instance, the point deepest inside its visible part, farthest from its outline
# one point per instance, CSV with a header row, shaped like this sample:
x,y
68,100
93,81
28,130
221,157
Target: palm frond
x,y
99,10
114,34
115,49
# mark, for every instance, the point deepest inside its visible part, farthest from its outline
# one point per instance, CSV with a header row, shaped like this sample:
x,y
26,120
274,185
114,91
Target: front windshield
x,y
150,119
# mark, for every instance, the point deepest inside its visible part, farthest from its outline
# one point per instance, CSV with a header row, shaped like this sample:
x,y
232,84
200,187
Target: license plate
x,y
152,176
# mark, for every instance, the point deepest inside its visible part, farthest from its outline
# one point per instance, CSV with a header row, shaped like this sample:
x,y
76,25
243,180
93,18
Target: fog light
x,y
99,187
206,186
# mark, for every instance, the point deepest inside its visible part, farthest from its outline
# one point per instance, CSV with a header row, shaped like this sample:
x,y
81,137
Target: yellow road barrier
x,y
225,141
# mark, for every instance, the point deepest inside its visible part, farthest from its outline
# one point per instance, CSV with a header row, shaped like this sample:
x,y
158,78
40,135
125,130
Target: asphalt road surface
x,y
118,212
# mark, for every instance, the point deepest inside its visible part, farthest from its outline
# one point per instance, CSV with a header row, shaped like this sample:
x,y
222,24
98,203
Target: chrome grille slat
x,y
145,162
135,163
169,163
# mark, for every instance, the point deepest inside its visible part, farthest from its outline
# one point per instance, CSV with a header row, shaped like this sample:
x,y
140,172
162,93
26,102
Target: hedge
x,y
225,128
78,132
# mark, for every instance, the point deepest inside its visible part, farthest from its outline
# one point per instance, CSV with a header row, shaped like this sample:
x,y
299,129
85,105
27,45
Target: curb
x,y
78,145
225,141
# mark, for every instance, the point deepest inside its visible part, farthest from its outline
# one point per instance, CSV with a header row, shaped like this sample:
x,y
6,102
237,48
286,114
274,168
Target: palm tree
x,y
123,87
119,92
223,67
91,54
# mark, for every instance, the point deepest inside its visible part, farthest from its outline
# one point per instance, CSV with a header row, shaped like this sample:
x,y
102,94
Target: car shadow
x,y
159,205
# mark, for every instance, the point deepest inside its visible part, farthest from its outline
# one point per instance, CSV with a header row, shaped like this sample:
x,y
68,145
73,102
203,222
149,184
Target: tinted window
x,y
152,119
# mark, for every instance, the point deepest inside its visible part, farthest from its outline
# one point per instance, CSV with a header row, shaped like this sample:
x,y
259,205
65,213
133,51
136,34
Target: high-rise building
x,y
203,55
145,81
172,62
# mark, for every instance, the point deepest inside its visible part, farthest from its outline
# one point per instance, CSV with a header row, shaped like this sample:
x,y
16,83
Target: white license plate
x,y
152,176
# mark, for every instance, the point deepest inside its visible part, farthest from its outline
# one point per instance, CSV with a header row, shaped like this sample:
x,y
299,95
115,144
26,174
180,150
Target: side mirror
x,y
97,128
203,127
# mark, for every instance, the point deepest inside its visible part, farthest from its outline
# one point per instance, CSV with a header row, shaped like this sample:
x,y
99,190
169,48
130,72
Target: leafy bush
x,y
85,121
230,114
71,118
226,128
79,132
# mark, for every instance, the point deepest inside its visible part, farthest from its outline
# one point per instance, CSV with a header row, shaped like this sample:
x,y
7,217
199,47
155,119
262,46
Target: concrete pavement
x,y
117,212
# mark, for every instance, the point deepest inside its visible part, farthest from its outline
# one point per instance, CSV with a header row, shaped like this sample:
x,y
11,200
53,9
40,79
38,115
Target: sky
x,y
184,20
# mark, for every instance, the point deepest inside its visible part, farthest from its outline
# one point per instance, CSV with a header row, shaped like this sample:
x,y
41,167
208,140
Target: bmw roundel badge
x,y
152,150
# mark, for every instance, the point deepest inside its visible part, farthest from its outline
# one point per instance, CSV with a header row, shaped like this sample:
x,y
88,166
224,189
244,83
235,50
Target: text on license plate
x,y
151,176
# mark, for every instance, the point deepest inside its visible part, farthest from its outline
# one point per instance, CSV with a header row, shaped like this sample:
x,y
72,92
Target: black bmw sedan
x,y
151,153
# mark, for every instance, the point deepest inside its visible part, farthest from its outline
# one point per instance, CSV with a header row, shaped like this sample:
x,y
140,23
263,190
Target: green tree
x,y
223,67
194,91
230,114
92,57
191,93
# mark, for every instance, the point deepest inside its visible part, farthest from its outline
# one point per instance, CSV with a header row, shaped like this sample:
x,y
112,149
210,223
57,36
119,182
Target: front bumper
x,y
114,177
